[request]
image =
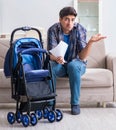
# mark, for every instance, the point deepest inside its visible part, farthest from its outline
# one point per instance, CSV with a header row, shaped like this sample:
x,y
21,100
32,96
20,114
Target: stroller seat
x,y
32,64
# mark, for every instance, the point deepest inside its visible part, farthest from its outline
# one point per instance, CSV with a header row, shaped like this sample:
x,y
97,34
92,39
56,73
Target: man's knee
x,y
74,66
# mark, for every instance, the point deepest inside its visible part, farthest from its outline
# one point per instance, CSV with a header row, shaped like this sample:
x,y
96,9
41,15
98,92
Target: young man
x,y
78,49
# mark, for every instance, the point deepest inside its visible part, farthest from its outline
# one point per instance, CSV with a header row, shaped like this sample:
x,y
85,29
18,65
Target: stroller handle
x,y
25,28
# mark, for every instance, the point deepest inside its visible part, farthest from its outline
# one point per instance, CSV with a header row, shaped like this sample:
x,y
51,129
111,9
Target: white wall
x,y
0,16
43,13
37,13
109,24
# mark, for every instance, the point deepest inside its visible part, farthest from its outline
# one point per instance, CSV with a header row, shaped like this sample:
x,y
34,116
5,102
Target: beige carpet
x,y
89,119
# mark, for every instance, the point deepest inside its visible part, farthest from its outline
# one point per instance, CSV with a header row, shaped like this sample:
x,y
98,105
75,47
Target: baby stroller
x,y
27,63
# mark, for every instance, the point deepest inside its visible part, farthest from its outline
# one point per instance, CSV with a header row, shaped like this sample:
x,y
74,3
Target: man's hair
x,y
67,11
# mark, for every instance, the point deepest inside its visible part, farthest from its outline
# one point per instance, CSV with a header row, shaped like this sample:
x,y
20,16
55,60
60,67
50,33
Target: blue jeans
x,y
74,69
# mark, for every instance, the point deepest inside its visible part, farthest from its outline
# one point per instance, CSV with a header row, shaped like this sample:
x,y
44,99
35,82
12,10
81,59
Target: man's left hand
x,y
96,38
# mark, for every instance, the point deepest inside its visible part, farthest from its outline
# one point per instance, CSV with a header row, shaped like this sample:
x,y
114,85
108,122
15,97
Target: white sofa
x,y
98,83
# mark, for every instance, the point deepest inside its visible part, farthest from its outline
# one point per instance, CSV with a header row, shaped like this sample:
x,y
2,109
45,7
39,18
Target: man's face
x,y
67,23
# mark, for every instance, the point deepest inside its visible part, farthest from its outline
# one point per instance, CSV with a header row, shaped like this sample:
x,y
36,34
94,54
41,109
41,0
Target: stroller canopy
x,y
17,47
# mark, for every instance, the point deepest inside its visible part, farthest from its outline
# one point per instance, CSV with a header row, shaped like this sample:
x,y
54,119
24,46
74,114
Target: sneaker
x,y
75,109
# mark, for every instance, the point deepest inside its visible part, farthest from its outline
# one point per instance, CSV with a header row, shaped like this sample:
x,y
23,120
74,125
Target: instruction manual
x,y
60,49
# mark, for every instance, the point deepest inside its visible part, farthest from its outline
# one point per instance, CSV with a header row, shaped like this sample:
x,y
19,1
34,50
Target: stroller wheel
x,y
45,112
25,120
38,114
51,116
11,117
18,116
33,119
59,115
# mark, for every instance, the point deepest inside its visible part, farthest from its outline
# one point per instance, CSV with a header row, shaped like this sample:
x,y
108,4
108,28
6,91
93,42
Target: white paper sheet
x,y
60,49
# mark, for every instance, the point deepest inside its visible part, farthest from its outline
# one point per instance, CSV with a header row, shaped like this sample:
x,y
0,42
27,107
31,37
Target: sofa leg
x,y
101,104
104,104
98,104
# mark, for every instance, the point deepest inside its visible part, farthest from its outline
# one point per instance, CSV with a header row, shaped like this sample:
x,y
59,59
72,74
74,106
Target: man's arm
x,y
85,52
52,42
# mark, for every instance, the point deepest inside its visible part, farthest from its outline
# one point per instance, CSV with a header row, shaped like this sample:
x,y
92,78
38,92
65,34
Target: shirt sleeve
x,y
82,37
51,39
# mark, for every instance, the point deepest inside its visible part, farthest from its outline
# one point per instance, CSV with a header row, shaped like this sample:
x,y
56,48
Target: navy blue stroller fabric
x,y
7,66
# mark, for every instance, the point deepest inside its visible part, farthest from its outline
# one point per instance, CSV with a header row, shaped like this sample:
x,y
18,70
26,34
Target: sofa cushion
x,y
92,78
4,82
96,58
4,46
97,78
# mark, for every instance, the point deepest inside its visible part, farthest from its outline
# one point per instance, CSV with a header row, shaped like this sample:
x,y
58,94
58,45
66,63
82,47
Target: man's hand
x,y
96,38
59,59
85,52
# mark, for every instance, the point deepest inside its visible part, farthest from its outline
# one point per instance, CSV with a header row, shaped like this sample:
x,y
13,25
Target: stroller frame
x,y
35,106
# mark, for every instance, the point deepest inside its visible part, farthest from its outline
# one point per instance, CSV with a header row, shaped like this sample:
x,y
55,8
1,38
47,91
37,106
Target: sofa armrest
x,y
111,65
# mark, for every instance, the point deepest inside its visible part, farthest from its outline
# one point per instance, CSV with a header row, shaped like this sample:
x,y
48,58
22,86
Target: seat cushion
x,y
97,78
93,78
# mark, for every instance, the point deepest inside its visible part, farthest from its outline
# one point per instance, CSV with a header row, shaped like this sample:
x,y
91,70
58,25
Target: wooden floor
x,y
89,119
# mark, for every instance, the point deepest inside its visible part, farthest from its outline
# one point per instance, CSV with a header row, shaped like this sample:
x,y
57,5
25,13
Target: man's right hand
x,y
59,59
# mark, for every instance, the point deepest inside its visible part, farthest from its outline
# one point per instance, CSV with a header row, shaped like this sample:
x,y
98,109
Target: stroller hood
x,y
18,46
